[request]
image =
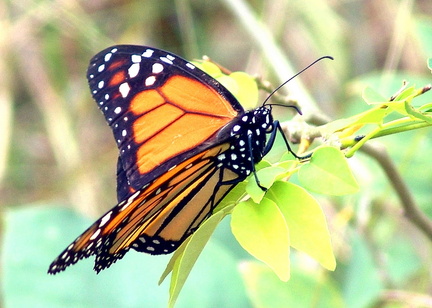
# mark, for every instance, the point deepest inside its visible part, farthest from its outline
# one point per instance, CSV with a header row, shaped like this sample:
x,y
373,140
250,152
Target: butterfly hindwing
x,y
150,220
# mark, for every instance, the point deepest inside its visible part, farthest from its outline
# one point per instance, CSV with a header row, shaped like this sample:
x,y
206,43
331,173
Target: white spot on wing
x,y
108,57
117,110
95,235
157,68
136,58
105,219
150,81
124,89
130,200
133,70
166,60
148,53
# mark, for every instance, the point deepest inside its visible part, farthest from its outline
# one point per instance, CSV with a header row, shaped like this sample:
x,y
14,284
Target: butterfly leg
x,y
276,125
249,146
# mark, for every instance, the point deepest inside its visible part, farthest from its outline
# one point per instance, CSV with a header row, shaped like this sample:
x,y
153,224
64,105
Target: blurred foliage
x,y
56,148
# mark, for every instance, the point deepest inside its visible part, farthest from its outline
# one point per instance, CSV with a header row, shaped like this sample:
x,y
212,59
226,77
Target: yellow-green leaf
x,y
186,255
306,222
266,177
328,173
209,67
262,231
247,93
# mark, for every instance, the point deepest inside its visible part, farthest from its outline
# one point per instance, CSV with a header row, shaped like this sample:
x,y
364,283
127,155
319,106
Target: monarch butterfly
x,y
184,142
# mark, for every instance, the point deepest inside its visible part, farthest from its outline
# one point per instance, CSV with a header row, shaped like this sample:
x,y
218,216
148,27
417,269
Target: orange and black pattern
x,y
184,142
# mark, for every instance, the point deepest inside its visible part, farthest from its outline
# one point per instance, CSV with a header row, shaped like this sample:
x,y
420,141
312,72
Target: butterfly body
x,y
184,142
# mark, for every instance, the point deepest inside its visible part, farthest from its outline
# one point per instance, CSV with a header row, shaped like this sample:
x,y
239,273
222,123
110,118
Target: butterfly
x,y
184,142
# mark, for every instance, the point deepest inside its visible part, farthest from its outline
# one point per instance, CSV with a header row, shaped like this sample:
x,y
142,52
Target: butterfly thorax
x,y
248,134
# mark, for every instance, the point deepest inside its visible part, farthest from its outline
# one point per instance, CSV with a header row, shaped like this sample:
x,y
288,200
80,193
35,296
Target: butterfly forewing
x,y
150,98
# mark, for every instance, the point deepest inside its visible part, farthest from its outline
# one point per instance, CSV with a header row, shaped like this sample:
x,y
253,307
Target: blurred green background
x,y
58,157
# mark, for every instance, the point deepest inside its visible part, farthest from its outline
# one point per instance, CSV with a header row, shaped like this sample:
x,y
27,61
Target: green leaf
x,y
185,260
407,93
306,222
240,84
262,164
397,104
371,116
170,266
287,164
266,176
328,173
209,67
247,93
417,114
262,231
231,84
304,289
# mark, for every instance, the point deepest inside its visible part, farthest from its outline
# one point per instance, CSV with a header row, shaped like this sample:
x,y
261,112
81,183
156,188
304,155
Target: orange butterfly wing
x,y
184,143
160,107
157,218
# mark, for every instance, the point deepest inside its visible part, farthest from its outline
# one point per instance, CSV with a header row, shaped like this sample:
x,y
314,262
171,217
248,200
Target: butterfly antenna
x,y
291,78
